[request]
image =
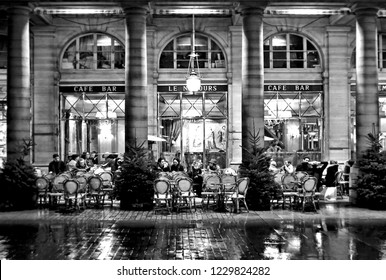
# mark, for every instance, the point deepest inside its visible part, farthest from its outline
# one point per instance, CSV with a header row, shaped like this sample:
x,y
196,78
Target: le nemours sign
x,y
182,88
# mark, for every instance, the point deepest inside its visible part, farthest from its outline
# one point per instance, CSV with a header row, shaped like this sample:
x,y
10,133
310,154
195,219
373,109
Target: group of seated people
x,y
85,161
195,171
323,171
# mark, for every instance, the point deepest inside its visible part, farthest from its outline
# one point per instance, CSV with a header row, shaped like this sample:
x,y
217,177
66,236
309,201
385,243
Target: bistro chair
x,y
300,175
239,194
42,185
70,187
307,194
95,191
277,198
185,194
56,193
211,189
107,184
228,182
82,190
162,195
290,185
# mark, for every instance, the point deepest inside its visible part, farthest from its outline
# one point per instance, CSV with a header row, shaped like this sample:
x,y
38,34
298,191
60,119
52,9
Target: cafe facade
x,y
102,76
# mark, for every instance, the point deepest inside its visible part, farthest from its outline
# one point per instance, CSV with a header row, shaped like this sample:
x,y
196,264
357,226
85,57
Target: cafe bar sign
x,y
91,88
183,88
293,87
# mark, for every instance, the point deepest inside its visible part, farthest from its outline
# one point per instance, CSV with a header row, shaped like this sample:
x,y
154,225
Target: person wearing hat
x,y
56,166
213,166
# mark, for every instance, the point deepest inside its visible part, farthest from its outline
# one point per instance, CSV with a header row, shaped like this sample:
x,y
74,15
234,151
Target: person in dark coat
x,y
56,166
196,175
305,166
176,166
330,175
163,165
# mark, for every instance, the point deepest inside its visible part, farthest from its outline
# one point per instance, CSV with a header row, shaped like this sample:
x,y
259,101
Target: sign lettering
x,y
88,88
293,87
183,88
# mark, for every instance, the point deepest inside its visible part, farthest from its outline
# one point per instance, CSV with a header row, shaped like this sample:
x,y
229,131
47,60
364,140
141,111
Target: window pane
x,y
191,106
296,64
280,64
166,60
184,43
169,47
279,55
296,42
69,57
201,43
279,42
119,60
383,42
103,43
310,46
169,105
214,46
313,59
104,60
266,60
86,43
215,105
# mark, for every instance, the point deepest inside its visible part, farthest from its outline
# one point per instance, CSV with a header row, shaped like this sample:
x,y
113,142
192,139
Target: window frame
x,y
288,60
95,61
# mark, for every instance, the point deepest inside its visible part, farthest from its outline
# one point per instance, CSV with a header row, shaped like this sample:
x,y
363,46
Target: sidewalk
x,y
337,231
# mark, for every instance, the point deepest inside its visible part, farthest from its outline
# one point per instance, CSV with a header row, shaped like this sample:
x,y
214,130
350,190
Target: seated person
x,y
273,167
176,165
305,166
213,166
163,165
288,168
329,180
71,165
196,175
81,164
56,166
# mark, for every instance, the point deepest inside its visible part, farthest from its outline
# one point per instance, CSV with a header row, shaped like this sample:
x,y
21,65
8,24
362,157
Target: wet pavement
x,y
337,231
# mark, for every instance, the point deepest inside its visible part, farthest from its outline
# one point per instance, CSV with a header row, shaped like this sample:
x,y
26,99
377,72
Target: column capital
x,y
19,10
136,10
251,10
364,8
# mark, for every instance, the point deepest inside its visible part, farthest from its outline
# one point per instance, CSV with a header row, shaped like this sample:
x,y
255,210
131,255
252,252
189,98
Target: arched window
x,y
94,51
3,52
290,51
176,53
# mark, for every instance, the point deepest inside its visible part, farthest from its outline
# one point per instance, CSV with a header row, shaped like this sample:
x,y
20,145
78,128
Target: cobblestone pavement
x,y
336,231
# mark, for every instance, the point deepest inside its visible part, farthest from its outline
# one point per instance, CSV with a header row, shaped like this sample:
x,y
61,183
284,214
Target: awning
x,y
155,138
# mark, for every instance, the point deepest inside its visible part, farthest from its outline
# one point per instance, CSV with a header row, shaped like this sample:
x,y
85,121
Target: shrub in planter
x,y
262,185
17,183
371,183
135,180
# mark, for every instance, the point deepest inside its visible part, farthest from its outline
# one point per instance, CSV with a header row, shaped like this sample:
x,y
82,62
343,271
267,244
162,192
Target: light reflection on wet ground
x,y
245,237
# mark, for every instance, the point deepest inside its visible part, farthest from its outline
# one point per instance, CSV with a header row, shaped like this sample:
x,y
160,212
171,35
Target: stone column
x,y
337,97
252,76
136,113
367,111
45,97
18,81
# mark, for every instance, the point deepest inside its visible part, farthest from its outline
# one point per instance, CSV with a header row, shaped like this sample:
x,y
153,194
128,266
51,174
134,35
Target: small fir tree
x,y
371,183
256,166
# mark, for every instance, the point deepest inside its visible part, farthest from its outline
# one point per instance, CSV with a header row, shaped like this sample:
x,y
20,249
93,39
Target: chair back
x,y
42,184
242,186
57,183
228,181
82,180
50,177
67,174
161,187
165,175
107,178
70,187
80,173
179,174
300,175
95,183
309,185
184,184
212,182
278,178
289,182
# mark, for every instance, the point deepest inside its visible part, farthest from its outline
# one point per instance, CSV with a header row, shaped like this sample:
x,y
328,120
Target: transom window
x,y
290,51
94,51
3,52
176,53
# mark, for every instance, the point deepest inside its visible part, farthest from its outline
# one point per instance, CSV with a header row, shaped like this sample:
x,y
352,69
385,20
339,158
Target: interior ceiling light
x,y
78,11
306,11
193,79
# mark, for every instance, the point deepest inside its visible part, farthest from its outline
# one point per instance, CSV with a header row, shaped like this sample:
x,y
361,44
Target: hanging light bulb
x,y
193,79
